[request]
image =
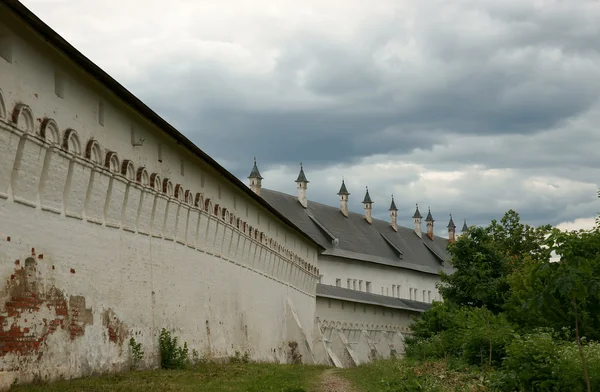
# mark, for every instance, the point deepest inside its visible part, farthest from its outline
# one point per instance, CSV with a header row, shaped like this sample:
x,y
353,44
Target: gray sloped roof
x,y
327,291
356,239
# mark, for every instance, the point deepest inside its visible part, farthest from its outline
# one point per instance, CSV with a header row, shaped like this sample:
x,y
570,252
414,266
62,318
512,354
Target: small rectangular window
x,y
59,84
429,296
368,284
393,290
398,290
338,282
348,283
424,291
360,285
101,113
354,284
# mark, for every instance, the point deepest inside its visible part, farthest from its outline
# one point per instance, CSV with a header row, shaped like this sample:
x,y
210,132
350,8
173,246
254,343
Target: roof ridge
x,y
356,214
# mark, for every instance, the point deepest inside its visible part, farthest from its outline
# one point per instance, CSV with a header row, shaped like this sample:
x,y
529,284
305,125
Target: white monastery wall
x,y
412,284
101,240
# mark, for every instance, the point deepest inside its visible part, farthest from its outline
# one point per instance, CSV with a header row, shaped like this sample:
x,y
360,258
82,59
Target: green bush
x,y
463,333
172,356
540,362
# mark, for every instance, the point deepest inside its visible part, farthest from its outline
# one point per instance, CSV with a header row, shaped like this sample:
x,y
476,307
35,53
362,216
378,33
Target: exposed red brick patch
x,y
22,333
117,332
8,239
33,251
17,262
72,270
40,256
52,266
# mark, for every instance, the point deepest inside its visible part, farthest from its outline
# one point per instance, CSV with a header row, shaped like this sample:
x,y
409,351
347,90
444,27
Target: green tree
x,y
484,258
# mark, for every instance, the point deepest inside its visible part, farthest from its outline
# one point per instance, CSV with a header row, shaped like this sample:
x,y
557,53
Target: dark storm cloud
x,y
393,95
477,69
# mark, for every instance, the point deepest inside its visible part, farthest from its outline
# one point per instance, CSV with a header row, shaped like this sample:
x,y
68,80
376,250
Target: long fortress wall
x,y
109,229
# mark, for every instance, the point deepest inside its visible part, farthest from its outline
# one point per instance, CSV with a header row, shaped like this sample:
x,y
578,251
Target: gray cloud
x,y
470,106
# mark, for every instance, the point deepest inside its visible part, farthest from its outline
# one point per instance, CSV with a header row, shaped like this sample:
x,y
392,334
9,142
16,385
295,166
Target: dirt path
x,y
330,382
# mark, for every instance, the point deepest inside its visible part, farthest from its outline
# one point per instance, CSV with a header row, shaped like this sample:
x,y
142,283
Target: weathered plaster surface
x,y
101,240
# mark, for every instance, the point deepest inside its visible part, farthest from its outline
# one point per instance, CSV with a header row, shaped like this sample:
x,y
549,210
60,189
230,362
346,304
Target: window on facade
x,y
349,285
393,290
382,291
354,284
424,291
338,282
59,84
6,46
360,285
410,293
429,296
320,278
387,291
368,287
101,113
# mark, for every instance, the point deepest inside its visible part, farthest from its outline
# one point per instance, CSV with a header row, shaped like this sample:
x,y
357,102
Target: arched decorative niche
x,y
237,223
216,210
111,162
49,131
207,204
225,214
93,152
142,176
189,197
156,182
167,187
22,116
2,106
179,192
199,200
71,142
128,170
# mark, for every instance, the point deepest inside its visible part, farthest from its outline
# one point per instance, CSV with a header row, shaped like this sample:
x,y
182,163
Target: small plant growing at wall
x,y
294,354
239,358
137,354
172,356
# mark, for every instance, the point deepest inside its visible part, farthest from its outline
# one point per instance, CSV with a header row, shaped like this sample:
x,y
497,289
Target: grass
x,y
204,377
380,376
408,376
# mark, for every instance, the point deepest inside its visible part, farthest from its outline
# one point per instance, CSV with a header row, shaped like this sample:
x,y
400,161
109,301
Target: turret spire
x,y
417,220
465,227
393,215
368,206
302,183
393,205
429,221
451,230
343,193
255,179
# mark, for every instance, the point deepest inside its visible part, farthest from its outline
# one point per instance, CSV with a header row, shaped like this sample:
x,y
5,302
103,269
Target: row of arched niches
x,y
66,148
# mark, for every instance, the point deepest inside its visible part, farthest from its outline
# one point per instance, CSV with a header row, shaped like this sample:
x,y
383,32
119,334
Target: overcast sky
x,y
471,107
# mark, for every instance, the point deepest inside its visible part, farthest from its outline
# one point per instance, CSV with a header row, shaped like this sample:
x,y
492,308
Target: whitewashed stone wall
x,y
354,333
381,277
101,240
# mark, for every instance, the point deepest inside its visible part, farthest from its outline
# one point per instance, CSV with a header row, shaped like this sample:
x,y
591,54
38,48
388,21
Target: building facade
x,y
113,225
376,276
